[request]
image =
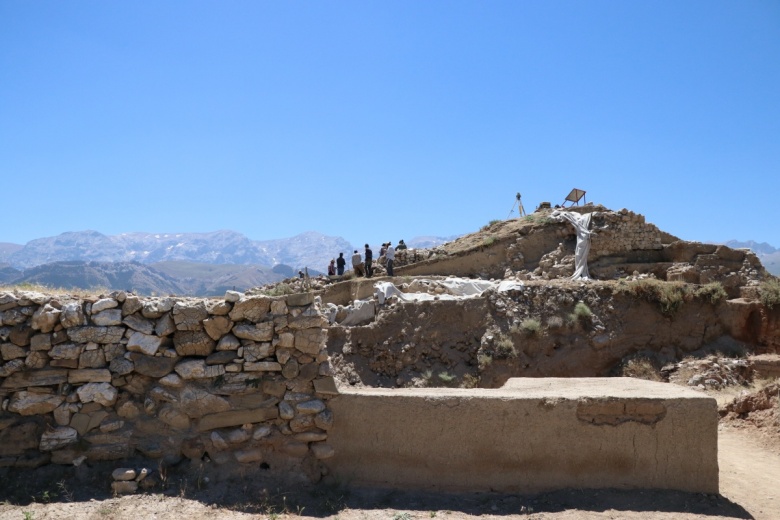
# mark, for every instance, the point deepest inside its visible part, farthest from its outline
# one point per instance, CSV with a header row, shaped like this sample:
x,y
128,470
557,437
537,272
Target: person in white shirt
x,y
390,255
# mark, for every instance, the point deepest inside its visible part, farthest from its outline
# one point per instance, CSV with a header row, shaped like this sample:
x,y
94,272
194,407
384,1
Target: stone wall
x,y
622,231
242,379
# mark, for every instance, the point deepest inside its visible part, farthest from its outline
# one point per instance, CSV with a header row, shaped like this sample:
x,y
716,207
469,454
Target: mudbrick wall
x,y
240,379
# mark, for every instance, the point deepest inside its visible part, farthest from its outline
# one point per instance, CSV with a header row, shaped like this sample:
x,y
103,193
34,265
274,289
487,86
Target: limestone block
x,y
131,305
252,308
312,407
283,355
89,375
144,343
286,410
45,318
274,387
326,386
228,342
285,340
165,326
172,381
310,341
217,308
156,308
233,296
174,418
324,420
193,343
62,415
121,366
102,393
48,377
197,369
310,436
11,367
262,432
291,369
189,315
257,332
217,326
237,418
218,441
300,299
139,324
198,403
104,304
32,403
107,318
20,335
322,450
239,435
66,351
123,474
57,438
221,358
263,366
16,439
257,351
10,351
40,342
101,335
278,307
92,359
249,455
309,371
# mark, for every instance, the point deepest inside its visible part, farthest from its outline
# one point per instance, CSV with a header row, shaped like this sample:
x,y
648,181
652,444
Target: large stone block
x,y
544,434
32,403
102,335
256,332
237,418
193,343
252,308
189,315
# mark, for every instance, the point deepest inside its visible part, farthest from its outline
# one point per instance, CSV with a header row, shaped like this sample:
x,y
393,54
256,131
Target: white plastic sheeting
x,y
581,224
457,289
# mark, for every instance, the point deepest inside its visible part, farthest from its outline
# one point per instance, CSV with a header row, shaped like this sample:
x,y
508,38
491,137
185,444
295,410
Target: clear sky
x,y
377,121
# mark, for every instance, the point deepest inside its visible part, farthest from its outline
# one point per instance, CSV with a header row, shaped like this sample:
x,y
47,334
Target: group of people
x,y
364,265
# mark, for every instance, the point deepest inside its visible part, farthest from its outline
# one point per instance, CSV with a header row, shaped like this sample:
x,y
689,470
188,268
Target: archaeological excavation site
x,y
571,348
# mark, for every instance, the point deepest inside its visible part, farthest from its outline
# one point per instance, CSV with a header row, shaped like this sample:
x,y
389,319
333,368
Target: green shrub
x,y
484,360
555,322
668,295
505,348
769,292
582,313
712,291
489,225
488,241
531,326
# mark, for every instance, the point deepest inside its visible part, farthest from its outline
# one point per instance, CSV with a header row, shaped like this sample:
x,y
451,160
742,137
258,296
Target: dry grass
x,y
641,368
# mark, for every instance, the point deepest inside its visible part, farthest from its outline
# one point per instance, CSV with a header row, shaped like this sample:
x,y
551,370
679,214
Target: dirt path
x,y
749,484
749,474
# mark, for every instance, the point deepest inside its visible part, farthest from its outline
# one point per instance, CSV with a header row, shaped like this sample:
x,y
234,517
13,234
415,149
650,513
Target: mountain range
x,y
199,264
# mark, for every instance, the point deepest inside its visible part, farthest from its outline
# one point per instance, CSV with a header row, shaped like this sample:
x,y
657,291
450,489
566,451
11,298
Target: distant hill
x,y
131,276
310,249
8,273
6,249
214,279
427,242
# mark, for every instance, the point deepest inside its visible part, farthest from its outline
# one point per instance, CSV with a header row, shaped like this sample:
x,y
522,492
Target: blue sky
x,y
377,121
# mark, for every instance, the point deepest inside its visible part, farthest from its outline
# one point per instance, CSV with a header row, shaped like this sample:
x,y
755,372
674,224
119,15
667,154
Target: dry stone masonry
x,y
244,379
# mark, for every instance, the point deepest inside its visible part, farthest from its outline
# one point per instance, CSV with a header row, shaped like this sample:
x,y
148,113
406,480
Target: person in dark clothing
x,y
369,256
340,263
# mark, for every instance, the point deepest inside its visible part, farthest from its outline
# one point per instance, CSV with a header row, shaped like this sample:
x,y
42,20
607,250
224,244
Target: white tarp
x,y
581,224
457,289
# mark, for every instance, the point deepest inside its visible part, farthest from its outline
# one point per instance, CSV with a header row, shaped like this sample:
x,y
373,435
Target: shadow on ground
x,y
263,493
